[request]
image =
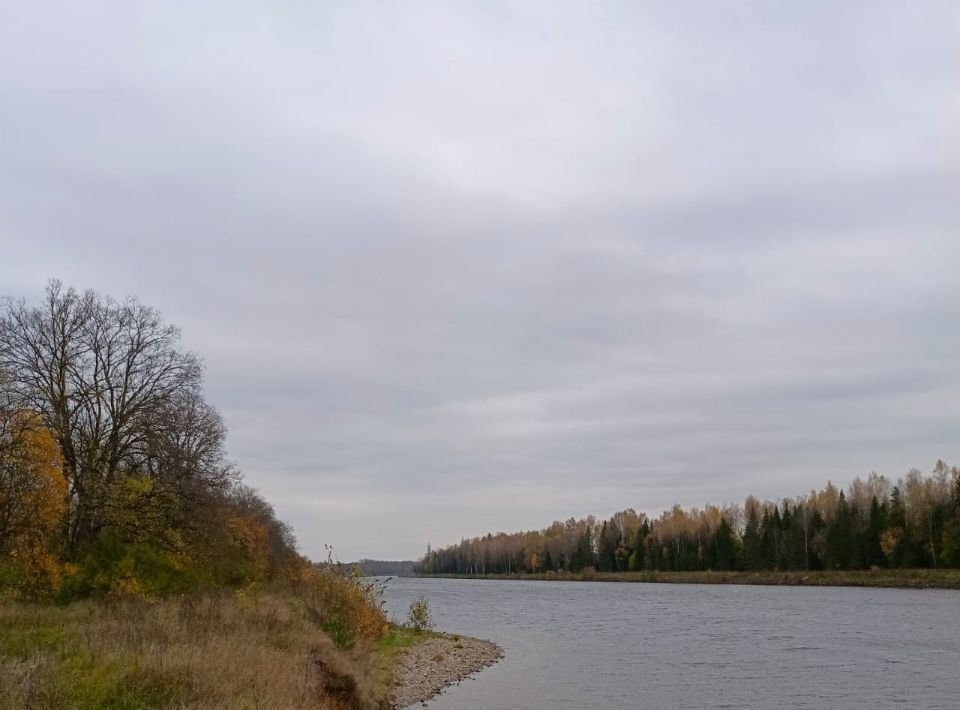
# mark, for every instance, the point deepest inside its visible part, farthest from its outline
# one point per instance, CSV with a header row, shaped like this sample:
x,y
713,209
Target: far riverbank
x,y
895,578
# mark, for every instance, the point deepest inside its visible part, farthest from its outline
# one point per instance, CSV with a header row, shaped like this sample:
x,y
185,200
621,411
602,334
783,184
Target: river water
x,y
662,646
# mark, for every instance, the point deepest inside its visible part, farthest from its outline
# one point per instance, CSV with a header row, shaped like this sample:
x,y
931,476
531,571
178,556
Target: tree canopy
x,y
913,522
112,463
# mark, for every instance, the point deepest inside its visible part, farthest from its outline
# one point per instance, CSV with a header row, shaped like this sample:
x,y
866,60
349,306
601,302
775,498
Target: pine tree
x,y
638,557
786,529
607,545
840,537
796,543
876,524
815,536
752,553
583,554
770,538
951,529
895,539
725,549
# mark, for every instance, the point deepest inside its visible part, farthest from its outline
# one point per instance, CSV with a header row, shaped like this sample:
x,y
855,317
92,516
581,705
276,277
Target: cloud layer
x,y
462,267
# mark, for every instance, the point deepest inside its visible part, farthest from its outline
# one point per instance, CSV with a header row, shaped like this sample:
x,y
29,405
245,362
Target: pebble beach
x,y
425,669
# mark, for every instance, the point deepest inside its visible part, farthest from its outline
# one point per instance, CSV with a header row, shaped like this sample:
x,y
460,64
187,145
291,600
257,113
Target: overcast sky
x,y
459,267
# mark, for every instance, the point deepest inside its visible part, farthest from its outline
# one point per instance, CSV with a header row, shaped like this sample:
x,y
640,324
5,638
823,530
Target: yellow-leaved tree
x,y
33,493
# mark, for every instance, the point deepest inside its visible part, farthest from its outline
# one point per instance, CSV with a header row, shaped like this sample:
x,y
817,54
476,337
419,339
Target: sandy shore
x,y
428,667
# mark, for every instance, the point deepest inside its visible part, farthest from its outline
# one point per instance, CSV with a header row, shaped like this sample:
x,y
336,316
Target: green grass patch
x,y
389,648
42,643
21,642
85,682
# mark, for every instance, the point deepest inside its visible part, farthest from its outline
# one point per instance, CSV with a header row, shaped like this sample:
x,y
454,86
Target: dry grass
x,y
344,605
216,651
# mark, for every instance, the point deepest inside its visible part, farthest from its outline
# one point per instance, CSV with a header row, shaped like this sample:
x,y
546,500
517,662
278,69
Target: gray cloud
x,y
473,267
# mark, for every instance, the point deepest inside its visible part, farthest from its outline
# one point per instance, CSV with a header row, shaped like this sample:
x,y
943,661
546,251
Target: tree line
x,y
913,522
113,471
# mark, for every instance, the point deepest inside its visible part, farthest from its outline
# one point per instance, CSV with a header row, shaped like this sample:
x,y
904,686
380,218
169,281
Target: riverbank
x,y
202,652
425,669
216,650
894,578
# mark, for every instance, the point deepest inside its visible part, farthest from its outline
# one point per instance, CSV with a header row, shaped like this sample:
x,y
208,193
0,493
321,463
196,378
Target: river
x,y
662,646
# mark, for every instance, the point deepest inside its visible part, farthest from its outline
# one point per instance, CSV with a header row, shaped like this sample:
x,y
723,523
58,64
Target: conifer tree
x,y
876,524
606,549
840,537
752,553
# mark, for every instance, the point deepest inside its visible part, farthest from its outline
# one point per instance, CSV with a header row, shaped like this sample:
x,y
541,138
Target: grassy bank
x,y
215,651
387,655
899,578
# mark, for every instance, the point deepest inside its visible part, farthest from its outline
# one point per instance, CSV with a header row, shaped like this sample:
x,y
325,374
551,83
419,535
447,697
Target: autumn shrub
x,y
33,491
418,615
113,567
32,573
344,605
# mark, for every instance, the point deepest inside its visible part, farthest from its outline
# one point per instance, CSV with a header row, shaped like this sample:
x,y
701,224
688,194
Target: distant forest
x,y
911,523
382,568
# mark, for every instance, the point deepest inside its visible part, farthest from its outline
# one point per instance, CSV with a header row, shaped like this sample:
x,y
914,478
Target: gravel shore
x,y
428,667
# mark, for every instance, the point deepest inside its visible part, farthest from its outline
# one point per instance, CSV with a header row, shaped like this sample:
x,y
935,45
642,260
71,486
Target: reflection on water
x,y
660,646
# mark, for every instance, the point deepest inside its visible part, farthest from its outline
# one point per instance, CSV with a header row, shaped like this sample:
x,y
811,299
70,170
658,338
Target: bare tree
x,y
101,373
184,445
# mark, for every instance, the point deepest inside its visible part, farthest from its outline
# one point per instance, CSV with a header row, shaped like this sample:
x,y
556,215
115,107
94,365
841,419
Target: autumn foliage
x,y
343,604
116,495
114,480
910,523
32,500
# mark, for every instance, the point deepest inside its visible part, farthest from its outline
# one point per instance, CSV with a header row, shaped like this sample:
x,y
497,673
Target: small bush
x,y
418,616
340,602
